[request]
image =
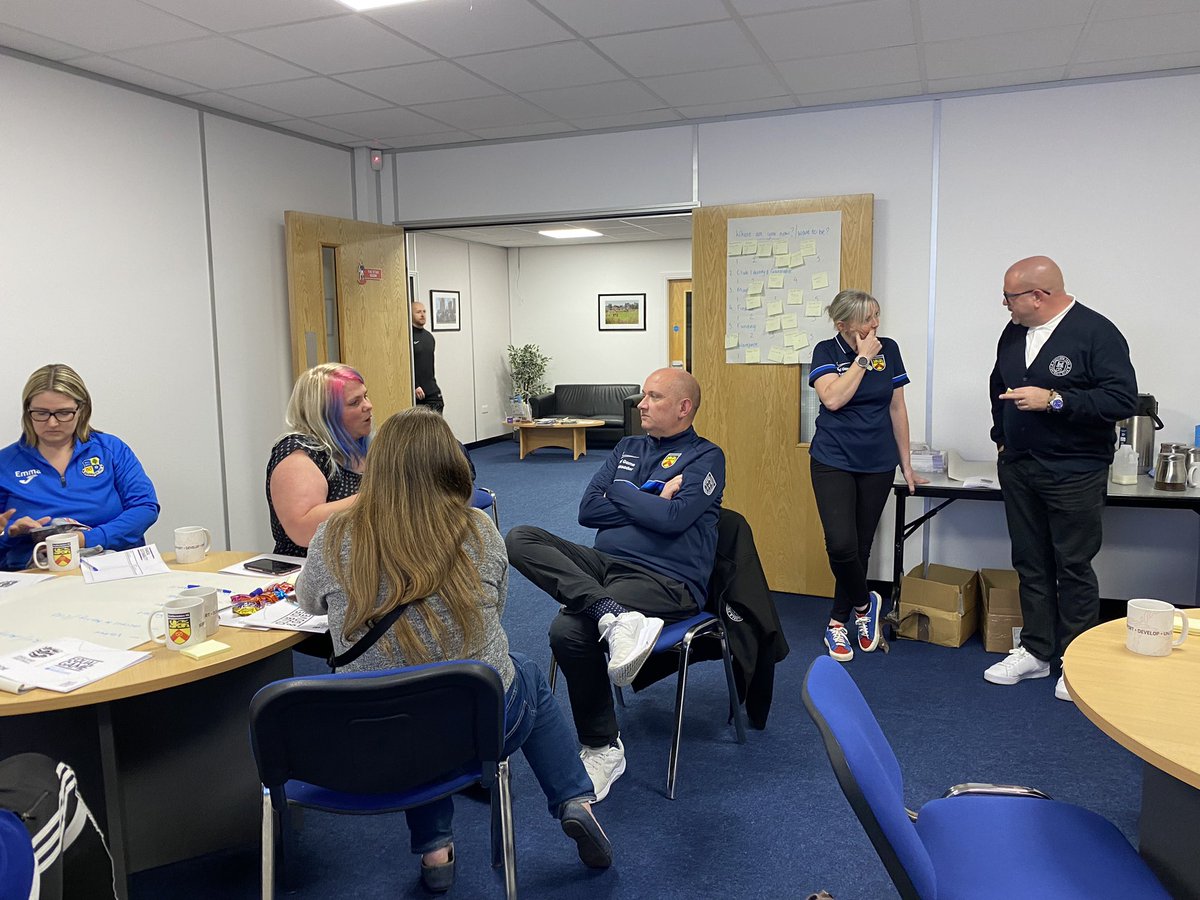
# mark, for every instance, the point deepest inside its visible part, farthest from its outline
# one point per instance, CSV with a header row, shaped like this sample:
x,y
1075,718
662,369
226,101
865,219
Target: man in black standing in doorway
x,y
427,392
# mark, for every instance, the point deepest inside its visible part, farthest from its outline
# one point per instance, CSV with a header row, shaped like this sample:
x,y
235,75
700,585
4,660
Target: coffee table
x,y
570,435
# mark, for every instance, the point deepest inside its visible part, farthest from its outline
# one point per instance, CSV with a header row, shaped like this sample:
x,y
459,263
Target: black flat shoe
x,y
438,879
581,826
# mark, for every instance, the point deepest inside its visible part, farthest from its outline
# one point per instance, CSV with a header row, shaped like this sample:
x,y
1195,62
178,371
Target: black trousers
x,y
1054,523
849,504
578,576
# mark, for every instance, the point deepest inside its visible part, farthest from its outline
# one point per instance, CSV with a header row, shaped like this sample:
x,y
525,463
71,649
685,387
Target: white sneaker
x,y
1017,666
630,637
1061,692
604,765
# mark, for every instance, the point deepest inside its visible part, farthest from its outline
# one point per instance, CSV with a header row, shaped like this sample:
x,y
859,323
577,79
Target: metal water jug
x,y
1138,430
1170,473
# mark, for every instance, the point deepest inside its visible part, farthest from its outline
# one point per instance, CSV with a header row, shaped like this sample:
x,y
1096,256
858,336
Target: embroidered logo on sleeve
x,y
710,484
670,459
1060,366
92,467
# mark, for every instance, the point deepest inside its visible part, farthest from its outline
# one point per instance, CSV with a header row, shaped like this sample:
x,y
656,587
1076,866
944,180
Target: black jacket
x,y
738,590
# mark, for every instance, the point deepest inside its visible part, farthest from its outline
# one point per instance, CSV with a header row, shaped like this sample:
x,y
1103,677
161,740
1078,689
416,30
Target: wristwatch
x,y
1055,403
862,362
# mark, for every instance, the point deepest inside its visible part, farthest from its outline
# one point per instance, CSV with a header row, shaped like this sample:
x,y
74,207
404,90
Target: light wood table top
x,y
574,423
165,668
1150,705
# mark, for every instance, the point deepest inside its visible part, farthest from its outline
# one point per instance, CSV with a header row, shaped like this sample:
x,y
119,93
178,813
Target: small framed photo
x,y
622,312
445,311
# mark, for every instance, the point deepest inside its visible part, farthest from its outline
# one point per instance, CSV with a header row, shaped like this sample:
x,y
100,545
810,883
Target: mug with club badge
x,y
183,623
58,552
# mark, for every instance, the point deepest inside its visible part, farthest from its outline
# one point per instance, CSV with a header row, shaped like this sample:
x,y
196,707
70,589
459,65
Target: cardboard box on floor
x,y
1000,619
939,605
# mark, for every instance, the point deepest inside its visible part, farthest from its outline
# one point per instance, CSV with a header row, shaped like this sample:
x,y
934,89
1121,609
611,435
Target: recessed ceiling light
x,y
364,5
570,233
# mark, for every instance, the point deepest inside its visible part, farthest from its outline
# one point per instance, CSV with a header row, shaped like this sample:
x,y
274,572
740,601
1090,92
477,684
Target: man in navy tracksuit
x,y
1062,380
655,505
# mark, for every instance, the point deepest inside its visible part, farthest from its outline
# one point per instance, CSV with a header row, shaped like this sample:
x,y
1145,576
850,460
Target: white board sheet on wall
x,y
781,273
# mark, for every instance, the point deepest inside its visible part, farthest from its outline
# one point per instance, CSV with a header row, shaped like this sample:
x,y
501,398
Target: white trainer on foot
x,y
630,637
1017,666
1061,692
604,765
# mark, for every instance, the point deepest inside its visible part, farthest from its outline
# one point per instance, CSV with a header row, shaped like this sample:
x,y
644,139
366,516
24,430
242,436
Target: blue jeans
x,y
534,723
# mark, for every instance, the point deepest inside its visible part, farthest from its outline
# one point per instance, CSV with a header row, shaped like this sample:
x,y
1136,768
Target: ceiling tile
x,y
943,20
859,95
758,7
314,129
831,30
463,27
610,98
1138,64
738,107
213,62
512,131
344,44
591,18
1000,53
687,48
426,82
991,80
891,65
28,42
718,86
99,27
1151,36
626,120
385,123
235,15
1127,9
567,64
427,140
489,112
237,106
308,97
122,71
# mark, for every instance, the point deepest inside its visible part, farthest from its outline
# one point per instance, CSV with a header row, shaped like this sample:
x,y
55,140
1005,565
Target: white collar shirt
x,y
1036,337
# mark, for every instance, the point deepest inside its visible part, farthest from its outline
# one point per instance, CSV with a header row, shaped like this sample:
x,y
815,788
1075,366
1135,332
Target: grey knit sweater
x,y
319,593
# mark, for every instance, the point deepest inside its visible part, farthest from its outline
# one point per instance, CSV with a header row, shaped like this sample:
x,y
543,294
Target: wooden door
x,y
373,321
679,318
753,411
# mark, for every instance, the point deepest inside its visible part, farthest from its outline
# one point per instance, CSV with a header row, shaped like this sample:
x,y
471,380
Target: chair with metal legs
x,y
485,499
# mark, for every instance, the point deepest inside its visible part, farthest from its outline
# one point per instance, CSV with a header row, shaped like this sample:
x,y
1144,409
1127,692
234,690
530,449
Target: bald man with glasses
x,y
1062,380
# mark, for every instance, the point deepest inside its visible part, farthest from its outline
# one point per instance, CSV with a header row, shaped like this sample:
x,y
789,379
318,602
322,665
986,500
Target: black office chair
x,y
374,742
979,840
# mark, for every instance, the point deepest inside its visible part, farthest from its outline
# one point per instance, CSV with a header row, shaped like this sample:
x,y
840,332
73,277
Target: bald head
x,y
1039,272
671,398
1034,292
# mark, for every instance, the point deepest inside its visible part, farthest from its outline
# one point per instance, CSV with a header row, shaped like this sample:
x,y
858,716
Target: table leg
x,y
579,441
523,432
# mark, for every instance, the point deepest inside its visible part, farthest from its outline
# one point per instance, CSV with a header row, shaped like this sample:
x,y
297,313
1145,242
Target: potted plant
x,y
527,365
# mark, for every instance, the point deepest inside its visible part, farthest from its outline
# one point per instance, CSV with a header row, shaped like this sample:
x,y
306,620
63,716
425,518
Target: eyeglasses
x,y
62,415
1008,298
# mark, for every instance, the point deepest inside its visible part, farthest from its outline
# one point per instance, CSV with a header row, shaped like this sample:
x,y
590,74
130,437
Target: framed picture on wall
x,y
622,312
445,311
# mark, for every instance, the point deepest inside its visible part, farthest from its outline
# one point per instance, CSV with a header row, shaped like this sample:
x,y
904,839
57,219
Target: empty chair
x,y
979,840
485,499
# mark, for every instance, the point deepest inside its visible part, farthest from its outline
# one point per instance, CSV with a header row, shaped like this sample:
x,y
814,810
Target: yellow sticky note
x,y
820,280
780,247
775,354
735,249
802,340
795,259
808,248
795,298
772,325
755,287
204,649
775,280
812,308
749,247
764,249
731,341
789,340
791,358
789,321
752,355
781,262
754,301
775,308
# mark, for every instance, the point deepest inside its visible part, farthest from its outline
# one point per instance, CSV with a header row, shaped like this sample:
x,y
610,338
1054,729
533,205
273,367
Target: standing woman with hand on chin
x,y
861,436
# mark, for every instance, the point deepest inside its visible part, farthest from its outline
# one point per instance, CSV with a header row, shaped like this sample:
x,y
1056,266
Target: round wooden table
x,y
570,435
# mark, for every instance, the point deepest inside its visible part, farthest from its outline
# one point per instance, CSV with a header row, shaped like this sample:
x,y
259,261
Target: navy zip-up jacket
x,y
676,537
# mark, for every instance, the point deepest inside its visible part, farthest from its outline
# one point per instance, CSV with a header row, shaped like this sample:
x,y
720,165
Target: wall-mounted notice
x,y
782,271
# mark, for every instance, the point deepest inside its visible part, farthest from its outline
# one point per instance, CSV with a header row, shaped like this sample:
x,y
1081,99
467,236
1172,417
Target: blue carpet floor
x,y
762,820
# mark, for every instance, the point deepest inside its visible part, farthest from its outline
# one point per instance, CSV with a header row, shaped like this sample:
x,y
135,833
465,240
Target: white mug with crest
x,y
183,623
58,553
192,543
1149,625
209,596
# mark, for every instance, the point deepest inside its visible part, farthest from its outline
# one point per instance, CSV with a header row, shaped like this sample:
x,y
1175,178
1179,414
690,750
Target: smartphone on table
x,y
271,566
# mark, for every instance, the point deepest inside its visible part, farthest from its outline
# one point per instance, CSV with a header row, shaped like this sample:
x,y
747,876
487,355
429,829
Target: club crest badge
x,y
709,485
92,467
179,628
62,557
670,459
878,364
1060,366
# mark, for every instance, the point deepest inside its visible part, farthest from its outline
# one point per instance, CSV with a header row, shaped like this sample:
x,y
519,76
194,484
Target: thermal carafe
x,y
1138,430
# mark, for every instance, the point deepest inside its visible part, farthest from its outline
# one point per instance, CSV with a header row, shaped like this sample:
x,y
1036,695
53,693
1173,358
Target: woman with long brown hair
x,y
412,543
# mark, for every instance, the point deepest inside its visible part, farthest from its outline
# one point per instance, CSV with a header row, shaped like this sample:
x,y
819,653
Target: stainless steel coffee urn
x,y
1138,430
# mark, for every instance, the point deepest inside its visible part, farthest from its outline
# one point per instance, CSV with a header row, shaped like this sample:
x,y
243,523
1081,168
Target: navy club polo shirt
x,y
858,437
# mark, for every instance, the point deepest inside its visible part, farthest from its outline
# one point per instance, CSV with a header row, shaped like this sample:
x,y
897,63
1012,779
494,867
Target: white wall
x,y
490,336
554,292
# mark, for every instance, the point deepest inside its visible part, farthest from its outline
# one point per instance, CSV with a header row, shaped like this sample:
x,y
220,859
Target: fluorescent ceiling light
x,y
570,233
364,5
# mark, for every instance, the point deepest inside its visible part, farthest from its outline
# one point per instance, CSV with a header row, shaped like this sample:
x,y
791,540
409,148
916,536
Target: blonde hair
x,y
407,532
61,379
852,307
315,412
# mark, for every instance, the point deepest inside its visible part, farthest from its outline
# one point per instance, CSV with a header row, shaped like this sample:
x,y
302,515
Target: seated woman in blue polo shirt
x,y
861,436
63,468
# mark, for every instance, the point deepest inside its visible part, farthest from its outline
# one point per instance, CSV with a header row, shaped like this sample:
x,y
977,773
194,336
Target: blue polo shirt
x,y
858,437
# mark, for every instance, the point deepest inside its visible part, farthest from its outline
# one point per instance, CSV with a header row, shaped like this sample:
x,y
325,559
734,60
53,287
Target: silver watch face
x,y
862,362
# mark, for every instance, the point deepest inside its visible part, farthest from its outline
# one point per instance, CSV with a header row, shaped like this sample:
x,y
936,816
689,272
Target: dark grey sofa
x,y
614,404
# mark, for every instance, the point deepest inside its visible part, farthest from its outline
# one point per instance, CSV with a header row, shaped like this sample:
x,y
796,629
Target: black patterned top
x,y
343,483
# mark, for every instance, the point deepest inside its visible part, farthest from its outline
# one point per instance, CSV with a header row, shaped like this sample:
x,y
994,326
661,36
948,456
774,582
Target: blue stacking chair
x,y
17,869
376,742
979,841
485,499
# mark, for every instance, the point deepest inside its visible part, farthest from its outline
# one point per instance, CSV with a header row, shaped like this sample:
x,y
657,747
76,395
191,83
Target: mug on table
x,y
183,623
58,553
1149,625
208,595
192,543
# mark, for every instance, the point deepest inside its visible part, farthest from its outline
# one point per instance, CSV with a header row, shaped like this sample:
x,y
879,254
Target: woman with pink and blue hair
x,y
316,466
